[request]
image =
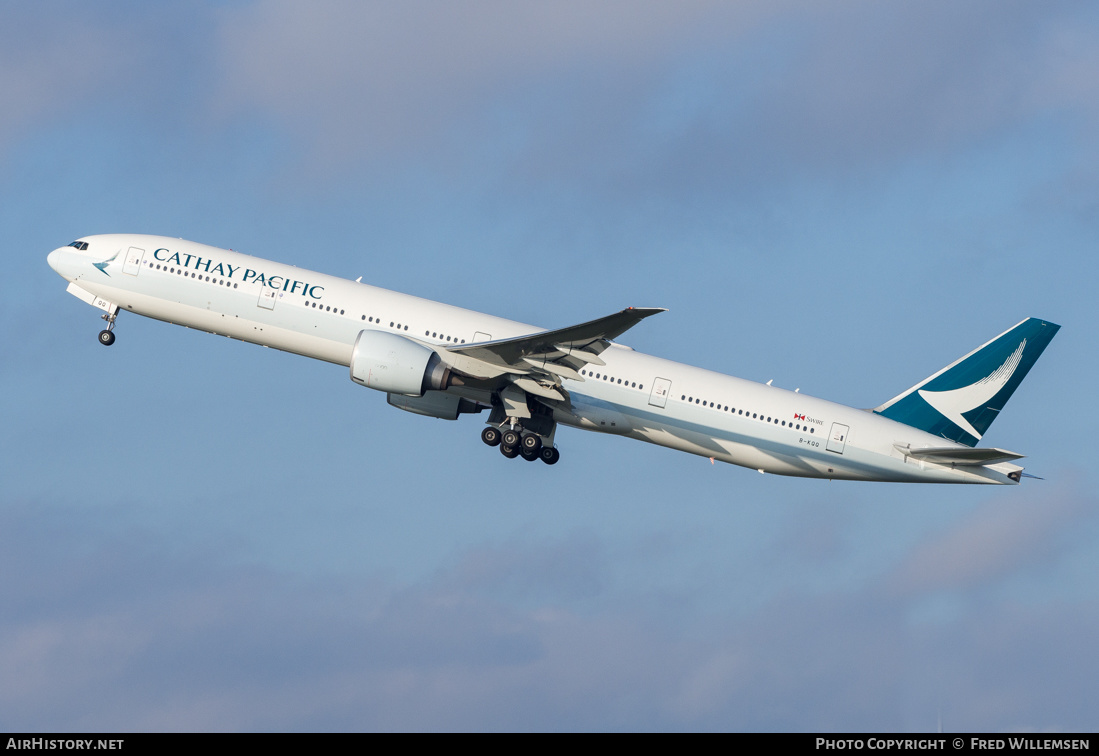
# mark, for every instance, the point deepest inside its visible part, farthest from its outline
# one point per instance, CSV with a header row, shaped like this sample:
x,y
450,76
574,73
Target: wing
x,y
537,362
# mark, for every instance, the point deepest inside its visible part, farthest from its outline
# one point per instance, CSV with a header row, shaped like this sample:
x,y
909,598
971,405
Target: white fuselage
x,y
312,314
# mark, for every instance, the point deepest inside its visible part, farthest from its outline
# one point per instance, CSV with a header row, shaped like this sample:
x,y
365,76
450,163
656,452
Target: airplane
x,y
442,361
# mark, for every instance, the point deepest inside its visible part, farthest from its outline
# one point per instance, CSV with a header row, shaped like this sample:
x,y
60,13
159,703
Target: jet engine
x,y
396,364
435,404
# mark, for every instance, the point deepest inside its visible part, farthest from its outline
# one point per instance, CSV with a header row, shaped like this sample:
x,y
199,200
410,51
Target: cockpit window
x,y
79,245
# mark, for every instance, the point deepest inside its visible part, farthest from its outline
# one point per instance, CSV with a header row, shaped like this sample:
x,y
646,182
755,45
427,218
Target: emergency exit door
x,y
267,298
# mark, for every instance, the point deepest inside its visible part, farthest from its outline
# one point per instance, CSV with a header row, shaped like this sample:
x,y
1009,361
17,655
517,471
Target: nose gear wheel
x,y
106,336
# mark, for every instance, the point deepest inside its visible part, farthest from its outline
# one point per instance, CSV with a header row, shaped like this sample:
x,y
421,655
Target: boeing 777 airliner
x,y
442,361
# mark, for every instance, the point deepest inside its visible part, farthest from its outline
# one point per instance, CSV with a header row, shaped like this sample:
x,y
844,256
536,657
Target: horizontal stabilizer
x,y
953,455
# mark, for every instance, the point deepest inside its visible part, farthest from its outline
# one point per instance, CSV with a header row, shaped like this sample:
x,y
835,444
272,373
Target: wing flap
x,y
557,368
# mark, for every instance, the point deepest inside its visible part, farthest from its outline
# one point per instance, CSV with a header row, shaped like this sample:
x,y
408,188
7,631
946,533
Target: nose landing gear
x,y
106,336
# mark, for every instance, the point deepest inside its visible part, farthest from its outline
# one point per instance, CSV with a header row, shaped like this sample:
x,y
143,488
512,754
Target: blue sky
x,y
198,534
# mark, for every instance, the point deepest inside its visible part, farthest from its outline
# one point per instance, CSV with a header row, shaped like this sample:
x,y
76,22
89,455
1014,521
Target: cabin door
x,y
838,439
133,261
661,388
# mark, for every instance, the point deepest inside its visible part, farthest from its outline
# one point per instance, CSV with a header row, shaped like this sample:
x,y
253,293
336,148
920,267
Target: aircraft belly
x,y
752,453
777,459
234,326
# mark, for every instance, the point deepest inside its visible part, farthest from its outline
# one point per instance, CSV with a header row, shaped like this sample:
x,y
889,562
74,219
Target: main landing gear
x,y
106,336
513,443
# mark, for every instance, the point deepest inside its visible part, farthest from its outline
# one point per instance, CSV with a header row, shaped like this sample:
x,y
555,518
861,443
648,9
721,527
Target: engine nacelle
x,y
396,365
435,404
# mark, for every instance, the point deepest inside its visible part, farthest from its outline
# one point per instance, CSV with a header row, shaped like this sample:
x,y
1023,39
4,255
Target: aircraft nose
x,y
54,259
66,262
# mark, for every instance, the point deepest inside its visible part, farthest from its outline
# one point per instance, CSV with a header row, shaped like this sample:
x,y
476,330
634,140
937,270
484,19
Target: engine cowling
x,y
396,365
434,404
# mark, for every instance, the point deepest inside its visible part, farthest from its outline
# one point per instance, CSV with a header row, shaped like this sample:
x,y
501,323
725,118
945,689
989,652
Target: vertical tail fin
x,y
960,401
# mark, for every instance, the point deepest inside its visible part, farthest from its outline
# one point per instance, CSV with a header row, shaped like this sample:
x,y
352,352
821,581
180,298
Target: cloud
x,y
701,90
701,98
54,64
997,541
122,633
373,76
571,570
